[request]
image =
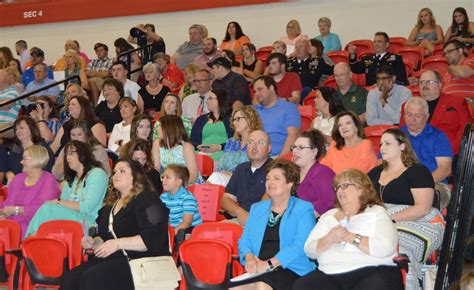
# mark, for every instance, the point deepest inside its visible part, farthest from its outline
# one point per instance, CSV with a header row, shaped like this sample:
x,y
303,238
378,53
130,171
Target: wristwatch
x,y
17,210
270,264
356,240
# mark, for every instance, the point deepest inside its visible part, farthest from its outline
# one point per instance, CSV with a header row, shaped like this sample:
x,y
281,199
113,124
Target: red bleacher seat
x,y
339,56
395,43
435,62
413,53
361,44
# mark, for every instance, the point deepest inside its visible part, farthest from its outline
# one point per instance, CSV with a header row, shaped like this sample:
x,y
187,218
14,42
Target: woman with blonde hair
x,y
153,93
426,33
14,77
72,60
293,34
188,88
243,121
330,41
172,106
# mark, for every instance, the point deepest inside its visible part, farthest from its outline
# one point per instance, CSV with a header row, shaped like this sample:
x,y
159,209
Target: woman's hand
x,y
9,210
349,237
337,235
251,264
107,248
53,201
87,242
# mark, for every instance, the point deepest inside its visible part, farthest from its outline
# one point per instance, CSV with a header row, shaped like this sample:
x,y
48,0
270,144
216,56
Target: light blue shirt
x,y
54,91
276,121
390,113
331,42
9,116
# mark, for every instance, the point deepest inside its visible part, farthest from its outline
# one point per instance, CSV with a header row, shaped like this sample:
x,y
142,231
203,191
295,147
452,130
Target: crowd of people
x,y
118,146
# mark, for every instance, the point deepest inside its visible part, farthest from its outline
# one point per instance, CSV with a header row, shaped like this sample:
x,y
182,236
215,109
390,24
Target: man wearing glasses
x,y
384,103
459,81
194,105
447,113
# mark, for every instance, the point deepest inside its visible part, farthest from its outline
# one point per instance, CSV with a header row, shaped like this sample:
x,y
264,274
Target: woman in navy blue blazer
x,y
273,239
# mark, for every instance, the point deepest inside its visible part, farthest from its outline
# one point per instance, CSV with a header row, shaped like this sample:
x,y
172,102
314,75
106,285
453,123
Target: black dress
x,y
153,102
146,216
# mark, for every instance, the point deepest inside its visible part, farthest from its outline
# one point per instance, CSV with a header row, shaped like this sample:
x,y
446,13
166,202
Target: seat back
x,y
205,164
375,132
209,198
226,232
3,192
71,232
46,259
309,111
339,56
305,123
364,52
437,63
361,45
395,43
10,236
330,82
414,54
309,99
195,255
263,52
438,50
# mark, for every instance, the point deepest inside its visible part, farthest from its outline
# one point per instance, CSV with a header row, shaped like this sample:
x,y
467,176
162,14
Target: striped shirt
x,y
9,116
181,203
104,64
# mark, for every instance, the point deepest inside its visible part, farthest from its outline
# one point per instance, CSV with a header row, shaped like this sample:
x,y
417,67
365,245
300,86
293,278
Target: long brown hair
x,y
173,131
140,183
408,155
336,135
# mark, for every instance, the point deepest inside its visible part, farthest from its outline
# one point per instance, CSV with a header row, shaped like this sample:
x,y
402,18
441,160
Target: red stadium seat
x,y
359,79
308,111
330,82
396,43
437,63
438,50
263,52
375,132
205,164
339,56
365,52
309,99
413,53
361,44
3,192
198,271
305,123
288,156
10,235
408,67
209,198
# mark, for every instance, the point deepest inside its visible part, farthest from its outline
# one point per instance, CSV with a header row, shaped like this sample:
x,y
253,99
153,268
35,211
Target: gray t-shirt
x,y
188,52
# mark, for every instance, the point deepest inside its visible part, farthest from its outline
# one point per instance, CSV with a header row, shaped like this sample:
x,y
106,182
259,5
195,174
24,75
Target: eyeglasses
x,y
299,147
343,186
236,119
448,51
70,152
384,78
200,81
428,82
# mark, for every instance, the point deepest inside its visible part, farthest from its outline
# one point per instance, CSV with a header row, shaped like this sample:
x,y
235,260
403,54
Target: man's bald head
x,y
343,75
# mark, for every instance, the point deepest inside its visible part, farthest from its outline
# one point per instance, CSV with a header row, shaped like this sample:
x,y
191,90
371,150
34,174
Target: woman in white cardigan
x,y
354,243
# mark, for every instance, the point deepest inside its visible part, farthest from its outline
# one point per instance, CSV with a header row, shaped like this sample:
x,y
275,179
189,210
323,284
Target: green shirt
x,y
354,100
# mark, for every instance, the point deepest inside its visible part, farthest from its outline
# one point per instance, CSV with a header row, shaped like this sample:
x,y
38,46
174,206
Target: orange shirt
x,y
362,157
235,45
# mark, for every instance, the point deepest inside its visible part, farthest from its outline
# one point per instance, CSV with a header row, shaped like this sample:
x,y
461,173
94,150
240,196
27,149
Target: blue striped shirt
x,y
9,116
181,203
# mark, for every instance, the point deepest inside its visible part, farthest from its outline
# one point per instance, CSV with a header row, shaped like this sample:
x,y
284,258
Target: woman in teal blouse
x,y
83,191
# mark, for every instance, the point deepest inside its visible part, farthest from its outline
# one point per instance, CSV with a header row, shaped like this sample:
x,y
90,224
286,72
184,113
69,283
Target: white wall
x,y
352,19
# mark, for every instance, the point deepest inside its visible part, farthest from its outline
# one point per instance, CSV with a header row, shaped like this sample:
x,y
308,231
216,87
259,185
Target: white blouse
x,y
119,132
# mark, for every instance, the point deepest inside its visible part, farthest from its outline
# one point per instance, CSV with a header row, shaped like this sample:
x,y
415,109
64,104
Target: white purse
x,y
150,273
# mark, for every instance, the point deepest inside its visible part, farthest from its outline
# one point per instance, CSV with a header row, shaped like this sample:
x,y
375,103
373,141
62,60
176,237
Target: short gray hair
x,y
324,20
418,101
151,67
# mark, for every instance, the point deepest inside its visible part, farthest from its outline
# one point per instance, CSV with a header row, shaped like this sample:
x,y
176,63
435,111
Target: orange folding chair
x,y
71,232
205,164
46,260
330,82
309,111
339,56
375,132
226,232
309,99
263,52
209,198
195,255
361,45
10,236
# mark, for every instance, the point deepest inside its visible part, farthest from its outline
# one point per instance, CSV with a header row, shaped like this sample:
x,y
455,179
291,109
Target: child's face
x,y
170,182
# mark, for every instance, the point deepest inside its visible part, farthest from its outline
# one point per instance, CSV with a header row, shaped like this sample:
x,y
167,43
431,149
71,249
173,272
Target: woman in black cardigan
x,y
211,131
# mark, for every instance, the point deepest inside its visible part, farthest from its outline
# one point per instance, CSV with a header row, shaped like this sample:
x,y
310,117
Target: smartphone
x,y
205,146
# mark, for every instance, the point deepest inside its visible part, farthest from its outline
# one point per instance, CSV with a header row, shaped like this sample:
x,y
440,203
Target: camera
x,y
135,32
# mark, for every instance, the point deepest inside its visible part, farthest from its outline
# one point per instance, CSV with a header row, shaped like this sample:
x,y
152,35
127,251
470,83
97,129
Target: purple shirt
x,y
316,188
30,197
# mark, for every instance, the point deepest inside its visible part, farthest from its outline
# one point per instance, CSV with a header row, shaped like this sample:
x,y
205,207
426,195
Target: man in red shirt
x,y
288,83
459,80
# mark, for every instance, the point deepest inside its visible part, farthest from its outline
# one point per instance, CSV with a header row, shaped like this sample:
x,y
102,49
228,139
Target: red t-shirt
x,y
289,83
462,87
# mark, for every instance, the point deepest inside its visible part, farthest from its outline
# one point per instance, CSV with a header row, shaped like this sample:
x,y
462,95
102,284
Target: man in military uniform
x,y
369,64
308,69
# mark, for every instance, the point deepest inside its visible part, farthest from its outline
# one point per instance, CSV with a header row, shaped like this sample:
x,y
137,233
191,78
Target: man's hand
x,y
384,95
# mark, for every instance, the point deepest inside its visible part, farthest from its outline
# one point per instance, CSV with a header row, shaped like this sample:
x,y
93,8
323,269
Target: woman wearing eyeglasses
x,y
407,189
355,242
315,179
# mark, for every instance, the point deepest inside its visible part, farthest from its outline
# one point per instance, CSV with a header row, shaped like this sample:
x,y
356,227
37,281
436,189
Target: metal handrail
x,y
35,92
128,53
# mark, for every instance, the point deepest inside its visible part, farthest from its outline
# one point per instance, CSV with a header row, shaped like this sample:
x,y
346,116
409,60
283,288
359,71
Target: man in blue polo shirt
x,y
281,119
247,184
430,144
41,80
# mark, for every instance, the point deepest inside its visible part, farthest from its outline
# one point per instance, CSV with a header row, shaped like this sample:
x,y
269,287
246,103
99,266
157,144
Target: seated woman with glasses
x,y
83,192
355,242
315,179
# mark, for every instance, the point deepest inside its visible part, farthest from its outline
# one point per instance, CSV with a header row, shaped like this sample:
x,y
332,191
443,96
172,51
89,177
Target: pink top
x,y
362,157
30,197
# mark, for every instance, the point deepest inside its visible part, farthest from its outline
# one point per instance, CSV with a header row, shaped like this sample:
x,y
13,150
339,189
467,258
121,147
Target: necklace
x,y
273,220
